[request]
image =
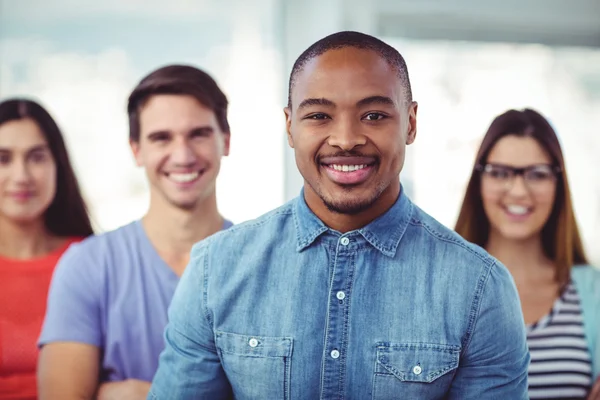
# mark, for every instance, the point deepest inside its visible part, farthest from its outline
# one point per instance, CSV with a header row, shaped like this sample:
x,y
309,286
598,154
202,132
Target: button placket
x,y
336,338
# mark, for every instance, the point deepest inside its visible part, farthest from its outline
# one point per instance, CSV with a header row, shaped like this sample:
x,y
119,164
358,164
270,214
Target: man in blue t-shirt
x,y
107,305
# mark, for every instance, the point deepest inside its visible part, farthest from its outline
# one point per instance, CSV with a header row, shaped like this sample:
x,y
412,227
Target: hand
x,y
595,393
130,389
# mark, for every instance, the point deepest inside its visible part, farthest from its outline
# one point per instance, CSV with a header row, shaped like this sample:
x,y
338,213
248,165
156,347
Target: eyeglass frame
x,y
514,172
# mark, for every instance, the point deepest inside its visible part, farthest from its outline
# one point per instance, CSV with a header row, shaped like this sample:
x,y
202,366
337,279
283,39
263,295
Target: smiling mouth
x,y
187,177
517,210
347,168
348,174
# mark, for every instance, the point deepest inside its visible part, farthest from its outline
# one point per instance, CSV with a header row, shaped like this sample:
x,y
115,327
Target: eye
x,y
159,137
4,158
317,116
497,172
201,132
38,157
539,174
374,116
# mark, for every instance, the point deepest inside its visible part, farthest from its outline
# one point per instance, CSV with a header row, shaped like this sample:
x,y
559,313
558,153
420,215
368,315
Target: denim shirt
x,y
283,307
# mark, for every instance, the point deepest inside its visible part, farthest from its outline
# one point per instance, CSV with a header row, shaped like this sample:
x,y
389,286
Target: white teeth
x,y
183,178
517,210
347,168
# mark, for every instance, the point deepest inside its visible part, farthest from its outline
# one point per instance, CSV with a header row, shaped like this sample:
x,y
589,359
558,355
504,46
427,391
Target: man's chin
x,y
184,204
348,206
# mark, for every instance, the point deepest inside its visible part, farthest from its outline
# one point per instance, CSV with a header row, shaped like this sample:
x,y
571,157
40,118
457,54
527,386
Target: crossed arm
x,y
69,363
71,371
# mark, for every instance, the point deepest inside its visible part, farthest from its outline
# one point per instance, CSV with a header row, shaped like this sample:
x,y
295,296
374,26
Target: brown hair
x,y
561,240
67,215
177,79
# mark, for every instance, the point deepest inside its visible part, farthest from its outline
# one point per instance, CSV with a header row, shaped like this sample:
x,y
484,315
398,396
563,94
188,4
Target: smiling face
x,y
27,171
180,147
349,124
518,207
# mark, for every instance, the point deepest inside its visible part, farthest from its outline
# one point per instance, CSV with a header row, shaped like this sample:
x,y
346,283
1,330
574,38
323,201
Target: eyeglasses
x,y
537,177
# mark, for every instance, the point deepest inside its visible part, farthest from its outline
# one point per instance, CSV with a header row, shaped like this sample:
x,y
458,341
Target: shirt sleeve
x,y
73,311
189,367
495,363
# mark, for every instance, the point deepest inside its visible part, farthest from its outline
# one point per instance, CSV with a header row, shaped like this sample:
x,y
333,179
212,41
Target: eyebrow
x,y
316,102
382,100
198,129
154,134
40,147
530,166
37,148
202,129
367,101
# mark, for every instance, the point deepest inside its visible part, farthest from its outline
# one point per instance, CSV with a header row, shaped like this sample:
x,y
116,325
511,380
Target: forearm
x,y
68,371
130,389
64,388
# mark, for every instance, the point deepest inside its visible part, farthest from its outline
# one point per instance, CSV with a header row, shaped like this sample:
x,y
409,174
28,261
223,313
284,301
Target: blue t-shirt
x,y
112,291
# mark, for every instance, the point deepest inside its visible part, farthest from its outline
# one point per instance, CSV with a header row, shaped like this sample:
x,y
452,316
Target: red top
x,y
23,291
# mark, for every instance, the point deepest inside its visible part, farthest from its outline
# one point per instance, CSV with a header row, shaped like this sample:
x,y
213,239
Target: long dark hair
x,y
561,240
67,215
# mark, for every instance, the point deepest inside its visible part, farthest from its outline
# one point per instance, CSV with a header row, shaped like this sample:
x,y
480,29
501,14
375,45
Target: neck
x,y
525,259
349,222
173,231
25,240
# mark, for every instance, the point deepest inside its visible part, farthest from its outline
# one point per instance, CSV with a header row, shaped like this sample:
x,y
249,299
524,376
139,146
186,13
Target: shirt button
x,y
335,354
345,241
417,370
340,295
253,342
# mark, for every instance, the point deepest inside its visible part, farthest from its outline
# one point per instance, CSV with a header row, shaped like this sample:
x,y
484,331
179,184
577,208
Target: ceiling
x,y
551,22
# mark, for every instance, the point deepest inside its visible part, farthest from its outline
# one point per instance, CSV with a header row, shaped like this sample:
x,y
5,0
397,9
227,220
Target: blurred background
x,y
469,60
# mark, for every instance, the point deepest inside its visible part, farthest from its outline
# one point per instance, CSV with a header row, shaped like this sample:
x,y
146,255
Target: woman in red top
x,y
42,212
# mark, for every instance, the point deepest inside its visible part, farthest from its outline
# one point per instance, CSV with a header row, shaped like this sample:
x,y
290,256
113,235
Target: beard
x,y
350,205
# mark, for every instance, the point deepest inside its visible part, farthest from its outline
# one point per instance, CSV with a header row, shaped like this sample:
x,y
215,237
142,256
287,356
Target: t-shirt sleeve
x,y
75,299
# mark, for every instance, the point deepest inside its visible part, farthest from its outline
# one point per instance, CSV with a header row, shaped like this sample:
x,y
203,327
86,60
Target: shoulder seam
x,y
448,239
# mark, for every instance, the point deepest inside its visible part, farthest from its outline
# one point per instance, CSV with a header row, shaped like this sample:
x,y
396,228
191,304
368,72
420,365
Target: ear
x,y
411,133
226,142
135,150
288,125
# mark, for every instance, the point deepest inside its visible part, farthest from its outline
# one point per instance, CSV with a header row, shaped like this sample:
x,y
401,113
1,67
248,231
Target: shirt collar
x,y
384,233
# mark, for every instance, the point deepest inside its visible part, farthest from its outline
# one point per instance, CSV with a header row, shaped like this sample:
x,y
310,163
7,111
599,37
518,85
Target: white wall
x,y
82,62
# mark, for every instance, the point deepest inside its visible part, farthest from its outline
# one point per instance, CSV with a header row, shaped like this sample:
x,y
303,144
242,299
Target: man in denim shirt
x,y
349,291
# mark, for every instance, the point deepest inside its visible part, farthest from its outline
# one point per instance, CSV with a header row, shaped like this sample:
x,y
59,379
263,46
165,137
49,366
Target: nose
x,y
19,171
518,187
346,135
183,154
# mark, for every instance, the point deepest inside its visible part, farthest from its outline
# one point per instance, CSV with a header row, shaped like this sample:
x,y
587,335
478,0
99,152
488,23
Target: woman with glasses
x,y
518,207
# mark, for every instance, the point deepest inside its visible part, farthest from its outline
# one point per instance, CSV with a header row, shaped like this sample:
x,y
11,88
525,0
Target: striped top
x,y
560,359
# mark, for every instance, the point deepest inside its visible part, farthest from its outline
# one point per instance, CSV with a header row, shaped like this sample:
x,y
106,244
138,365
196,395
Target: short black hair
x,y
177,79
357,40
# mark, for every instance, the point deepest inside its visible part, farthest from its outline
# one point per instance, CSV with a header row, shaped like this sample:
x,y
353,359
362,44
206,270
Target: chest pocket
x,y
414,371
256,366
